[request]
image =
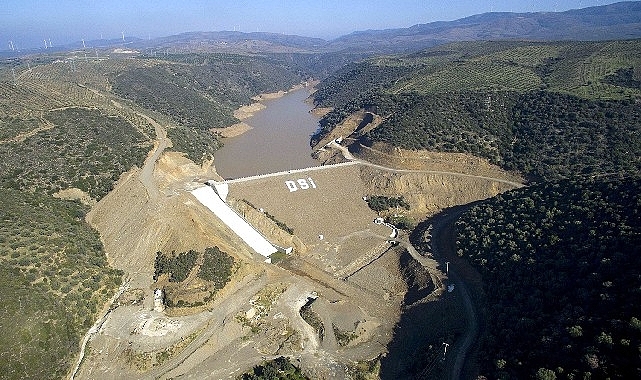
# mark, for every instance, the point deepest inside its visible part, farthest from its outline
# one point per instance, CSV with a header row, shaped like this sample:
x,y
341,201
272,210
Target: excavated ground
x,y
340,257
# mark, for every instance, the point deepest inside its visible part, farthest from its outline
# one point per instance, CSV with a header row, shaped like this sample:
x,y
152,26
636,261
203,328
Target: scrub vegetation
x,y
54,278
277,369
210,271
558,259
546,110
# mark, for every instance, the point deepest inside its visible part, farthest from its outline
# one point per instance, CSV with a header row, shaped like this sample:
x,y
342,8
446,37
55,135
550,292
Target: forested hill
x,y
547,110
560,264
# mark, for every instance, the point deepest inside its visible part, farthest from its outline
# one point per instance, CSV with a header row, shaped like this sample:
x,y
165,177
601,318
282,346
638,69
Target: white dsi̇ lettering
x,y
300,184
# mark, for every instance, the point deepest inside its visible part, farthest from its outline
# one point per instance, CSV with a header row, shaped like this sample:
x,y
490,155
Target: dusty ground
x,y
341,258
145,215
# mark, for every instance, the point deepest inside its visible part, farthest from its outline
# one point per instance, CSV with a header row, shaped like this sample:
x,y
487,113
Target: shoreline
x,y
247,111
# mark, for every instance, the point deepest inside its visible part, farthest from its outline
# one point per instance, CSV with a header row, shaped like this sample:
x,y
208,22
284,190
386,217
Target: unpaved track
x,y
222,314
443,246
221,349
351,158
160,144
46,125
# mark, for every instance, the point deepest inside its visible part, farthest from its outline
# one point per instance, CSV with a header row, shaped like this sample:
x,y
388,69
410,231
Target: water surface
x,y
278,141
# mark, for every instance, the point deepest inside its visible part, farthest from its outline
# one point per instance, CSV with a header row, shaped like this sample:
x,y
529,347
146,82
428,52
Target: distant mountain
x,y
232,41
610,22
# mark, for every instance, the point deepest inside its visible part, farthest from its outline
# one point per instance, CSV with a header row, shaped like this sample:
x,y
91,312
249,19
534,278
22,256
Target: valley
x,y
437,208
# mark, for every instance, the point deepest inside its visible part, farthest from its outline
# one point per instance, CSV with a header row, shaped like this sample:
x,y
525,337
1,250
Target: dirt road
x,y
444,247
351,157
160,144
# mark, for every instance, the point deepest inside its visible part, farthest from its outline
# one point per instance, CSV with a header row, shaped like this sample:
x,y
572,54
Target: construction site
x,y
325,286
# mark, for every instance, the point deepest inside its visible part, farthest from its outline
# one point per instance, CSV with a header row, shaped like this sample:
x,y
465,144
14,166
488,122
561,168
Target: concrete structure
x,y
159,304
210,199
221,188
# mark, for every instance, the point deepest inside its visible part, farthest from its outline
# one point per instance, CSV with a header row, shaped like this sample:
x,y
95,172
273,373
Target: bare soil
x,y
340,256
233,130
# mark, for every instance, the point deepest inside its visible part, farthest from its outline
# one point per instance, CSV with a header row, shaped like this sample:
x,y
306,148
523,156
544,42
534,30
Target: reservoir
x,y
279,139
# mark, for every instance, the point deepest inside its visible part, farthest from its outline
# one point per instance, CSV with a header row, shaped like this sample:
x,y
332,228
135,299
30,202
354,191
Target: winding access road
x,y
443,247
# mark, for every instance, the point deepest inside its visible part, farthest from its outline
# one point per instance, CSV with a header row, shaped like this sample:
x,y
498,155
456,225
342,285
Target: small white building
x,y
159,300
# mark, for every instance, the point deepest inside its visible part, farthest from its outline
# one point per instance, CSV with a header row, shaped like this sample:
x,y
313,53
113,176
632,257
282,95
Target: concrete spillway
x,y
208,197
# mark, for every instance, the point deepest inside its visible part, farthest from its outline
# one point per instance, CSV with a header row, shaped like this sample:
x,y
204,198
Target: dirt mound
x,y
418,280
353,126
387,155
429,193
133,226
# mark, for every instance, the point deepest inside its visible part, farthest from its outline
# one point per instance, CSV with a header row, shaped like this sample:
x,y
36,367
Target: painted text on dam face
x,y
300,184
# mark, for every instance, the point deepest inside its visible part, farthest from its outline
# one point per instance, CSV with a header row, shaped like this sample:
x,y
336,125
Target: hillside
x,y
504,101
69,128
560,264
99,150
609,22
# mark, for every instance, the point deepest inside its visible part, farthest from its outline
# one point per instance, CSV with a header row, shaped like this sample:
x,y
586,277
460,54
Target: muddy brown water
x,y
279,139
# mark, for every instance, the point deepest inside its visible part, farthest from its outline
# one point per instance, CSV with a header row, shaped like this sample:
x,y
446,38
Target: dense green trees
x,y
380,203
560,264
211,269
177,266
278,369
558,136
216,267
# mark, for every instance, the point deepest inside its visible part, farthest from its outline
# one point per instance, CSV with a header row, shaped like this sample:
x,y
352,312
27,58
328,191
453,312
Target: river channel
x,y
279,139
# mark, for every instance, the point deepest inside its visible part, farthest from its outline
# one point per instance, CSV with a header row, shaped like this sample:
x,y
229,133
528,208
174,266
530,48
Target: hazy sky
x,y
28,22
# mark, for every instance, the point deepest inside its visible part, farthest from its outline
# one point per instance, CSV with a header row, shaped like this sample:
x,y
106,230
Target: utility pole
x,y
445,346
